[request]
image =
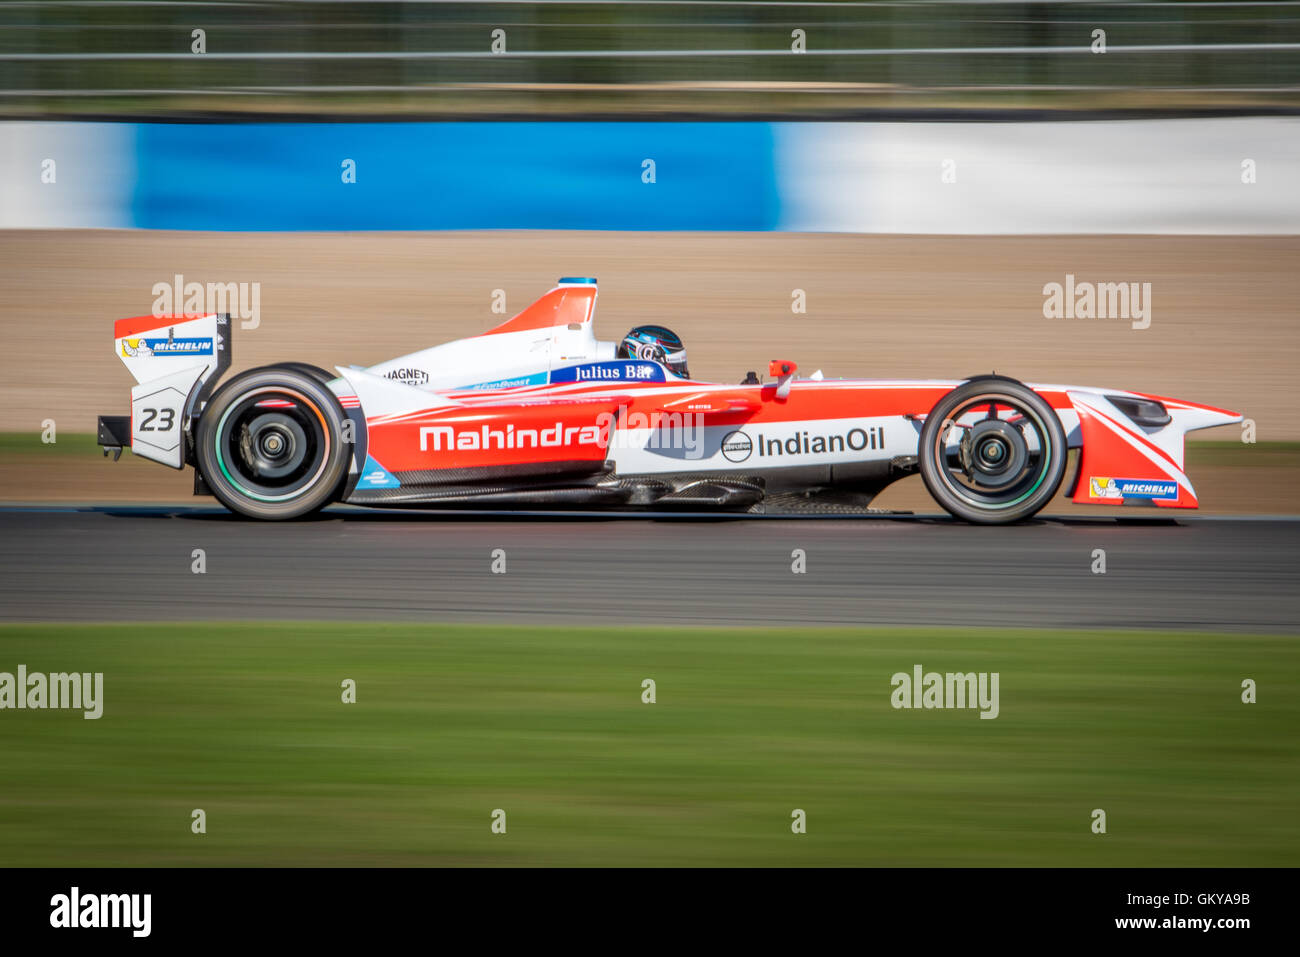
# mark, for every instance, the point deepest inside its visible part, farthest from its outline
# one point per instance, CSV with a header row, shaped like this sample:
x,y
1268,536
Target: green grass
x,y
245,721
29,447
1238,454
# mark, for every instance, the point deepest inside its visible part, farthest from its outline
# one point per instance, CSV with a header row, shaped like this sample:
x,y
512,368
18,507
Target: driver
x,y
658,344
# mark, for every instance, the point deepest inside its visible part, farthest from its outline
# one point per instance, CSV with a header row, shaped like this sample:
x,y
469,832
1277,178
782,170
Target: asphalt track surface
x,y
135,564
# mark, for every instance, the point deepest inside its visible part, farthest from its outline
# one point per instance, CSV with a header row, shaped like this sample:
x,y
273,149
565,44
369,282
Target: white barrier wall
x,y
1126,176
56,175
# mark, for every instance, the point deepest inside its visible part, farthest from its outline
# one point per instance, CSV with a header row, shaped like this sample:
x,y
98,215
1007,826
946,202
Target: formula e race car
x,y
537,413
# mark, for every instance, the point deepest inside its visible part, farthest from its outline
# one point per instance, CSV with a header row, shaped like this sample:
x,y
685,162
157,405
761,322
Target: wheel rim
x,y
272,444
993,452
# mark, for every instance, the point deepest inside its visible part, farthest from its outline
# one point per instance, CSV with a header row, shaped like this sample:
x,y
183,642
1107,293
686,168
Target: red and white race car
x,y
537,412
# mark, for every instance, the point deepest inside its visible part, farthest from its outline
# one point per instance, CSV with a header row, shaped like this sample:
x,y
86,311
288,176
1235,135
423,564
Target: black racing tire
x,y
316,372
1004,468
269,444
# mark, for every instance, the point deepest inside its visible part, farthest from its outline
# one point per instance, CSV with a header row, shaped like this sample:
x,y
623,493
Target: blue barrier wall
x,y
276,176
1210,176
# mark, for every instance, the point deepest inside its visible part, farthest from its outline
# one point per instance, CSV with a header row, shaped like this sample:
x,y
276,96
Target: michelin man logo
x,y
1104,488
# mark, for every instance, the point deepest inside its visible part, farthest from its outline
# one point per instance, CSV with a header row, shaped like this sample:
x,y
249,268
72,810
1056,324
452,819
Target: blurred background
x,y
641,56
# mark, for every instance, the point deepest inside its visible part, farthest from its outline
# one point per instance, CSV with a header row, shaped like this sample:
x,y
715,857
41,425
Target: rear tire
x,y
992,451
316,372
269,444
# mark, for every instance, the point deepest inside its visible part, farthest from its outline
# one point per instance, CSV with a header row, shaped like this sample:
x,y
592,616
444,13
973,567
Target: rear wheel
x,y
269,444
316,372
992,451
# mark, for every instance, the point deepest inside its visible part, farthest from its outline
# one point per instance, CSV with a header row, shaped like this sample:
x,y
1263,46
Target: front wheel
x,y
269,444
992,451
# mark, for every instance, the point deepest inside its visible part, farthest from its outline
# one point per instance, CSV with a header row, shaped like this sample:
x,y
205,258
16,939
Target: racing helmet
x,y
658,344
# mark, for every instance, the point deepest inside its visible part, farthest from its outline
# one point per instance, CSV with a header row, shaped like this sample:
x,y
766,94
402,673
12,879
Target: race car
x,y
538,413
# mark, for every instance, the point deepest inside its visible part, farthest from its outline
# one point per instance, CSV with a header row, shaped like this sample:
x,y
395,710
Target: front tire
x,y
269,444
992,451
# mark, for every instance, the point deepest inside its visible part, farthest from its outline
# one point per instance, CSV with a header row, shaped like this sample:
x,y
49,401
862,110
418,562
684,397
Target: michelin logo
x,y
141,348
1120,488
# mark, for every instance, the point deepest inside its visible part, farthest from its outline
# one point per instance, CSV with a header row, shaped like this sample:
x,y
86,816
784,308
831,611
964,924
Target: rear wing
x,y
175,360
